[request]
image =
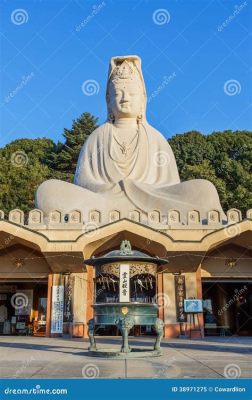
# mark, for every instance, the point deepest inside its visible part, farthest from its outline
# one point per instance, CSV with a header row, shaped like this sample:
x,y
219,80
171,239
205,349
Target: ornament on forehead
x,y
124,69
124,72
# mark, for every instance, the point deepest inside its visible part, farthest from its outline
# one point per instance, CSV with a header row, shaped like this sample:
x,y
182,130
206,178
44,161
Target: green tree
x,y
224,158
65,158
23,168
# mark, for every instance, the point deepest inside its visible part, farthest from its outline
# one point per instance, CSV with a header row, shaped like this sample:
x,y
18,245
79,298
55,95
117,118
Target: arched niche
x,y
35,217
135,215
75,217
213,217
154,217
16,216
193,217
173,217
234,215
94,217
55,217
114,215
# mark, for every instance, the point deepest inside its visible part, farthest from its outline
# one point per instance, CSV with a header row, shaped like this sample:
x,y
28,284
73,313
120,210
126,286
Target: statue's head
x,y
126,96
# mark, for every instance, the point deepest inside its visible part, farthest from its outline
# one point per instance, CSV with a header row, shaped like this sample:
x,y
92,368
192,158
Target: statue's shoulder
x,y
159,136
97,133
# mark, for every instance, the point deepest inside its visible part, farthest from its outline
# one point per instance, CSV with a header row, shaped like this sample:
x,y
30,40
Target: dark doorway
x,y
227,307
23,307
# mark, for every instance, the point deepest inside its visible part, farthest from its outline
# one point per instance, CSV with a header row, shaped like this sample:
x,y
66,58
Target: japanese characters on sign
x,y
68,306
124,295
57,309
180,294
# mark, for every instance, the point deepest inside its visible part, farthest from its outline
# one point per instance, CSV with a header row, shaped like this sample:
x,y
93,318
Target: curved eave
x,y
107,260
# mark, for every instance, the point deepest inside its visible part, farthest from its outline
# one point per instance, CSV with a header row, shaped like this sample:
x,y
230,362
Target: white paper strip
x,y
57,309
124,283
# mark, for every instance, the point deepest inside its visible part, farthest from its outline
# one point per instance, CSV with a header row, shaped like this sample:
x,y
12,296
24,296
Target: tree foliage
x,y
23,168
224,158
64,160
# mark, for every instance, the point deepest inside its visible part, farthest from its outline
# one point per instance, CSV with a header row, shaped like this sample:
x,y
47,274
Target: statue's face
x,y
125,99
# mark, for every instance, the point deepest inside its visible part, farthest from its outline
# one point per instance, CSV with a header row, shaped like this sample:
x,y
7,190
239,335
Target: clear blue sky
x,y
47,55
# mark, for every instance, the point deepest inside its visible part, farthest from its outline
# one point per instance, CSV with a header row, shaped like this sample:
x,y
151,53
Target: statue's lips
x,y
125,104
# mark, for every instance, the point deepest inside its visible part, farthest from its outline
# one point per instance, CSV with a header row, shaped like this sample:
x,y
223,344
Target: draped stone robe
x,y
143,174
146,178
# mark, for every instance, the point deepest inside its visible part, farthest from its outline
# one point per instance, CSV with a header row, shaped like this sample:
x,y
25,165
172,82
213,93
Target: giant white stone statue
x,y
126,164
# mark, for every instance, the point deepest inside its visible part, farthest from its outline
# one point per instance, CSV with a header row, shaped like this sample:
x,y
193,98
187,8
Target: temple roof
x,y
124,254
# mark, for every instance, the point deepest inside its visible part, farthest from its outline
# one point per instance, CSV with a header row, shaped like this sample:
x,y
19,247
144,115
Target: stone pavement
x,y
214,357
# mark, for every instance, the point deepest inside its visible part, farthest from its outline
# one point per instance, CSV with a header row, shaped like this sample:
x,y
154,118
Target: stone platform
x,y
32,357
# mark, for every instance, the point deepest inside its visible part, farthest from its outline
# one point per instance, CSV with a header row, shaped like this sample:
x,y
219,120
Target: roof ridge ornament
x,y
125,248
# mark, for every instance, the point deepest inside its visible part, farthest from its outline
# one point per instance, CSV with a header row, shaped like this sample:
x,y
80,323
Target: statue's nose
x,y
125,97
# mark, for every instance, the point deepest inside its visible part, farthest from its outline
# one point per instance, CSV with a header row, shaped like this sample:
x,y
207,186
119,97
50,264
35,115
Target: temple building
x,y
126,189
204,261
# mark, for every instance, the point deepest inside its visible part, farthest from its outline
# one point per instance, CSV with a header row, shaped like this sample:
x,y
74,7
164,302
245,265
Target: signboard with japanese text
x,y
57,309
124,294
68,299
180,294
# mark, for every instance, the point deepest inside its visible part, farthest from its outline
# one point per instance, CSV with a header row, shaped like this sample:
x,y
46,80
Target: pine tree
x,y
65,159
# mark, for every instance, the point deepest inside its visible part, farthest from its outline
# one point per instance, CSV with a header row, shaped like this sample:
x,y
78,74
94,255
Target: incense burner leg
x,y
159,329
125,324
91,329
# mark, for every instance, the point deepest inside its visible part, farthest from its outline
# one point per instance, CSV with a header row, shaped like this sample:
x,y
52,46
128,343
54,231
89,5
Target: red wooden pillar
x,y
199,296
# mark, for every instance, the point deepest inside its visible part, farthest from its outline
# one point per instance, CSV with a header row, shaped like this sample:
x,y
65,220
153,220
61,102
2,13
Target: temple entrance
x,y
23,306
227,307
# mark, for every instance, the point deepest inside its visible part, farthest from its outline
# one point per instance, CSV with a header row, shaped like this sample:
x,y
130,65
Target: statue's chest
x,y
124,144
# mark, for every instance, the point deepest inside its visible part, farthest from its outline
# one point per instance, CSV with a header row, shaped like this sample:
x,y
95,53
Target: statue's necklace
x,y
124,147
